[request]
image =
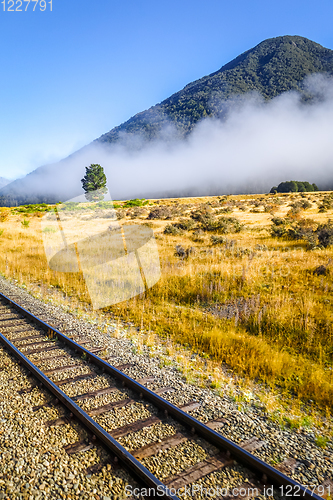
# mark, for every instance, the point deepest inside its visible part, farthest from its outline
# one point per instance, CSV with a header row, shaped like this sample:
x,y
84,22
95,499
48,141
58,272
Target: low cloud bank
x,y
256,146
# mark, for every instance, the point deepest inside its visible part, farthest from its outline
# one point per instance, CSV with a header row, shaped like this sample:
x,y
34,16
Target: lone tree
x,y
94,182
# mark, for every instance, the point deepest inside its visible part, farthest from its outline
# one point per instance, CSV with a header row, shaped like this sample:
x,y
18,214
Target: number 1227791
x,y
24,5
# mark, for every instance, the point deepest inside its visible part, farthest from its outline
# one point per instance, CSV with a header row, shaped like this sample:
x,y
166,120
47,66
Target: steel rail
x,y
266,472
131,463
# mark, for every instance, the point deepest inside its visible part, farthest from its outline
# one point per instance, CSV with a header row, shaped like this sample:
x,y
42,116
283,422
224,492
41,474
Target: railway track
x,y
37,345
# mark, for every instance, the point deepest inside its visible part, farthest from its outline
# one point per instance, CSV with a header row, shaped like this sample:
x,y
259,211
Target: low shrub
x,y
197,236
326,204
305,229
321,271
300,205
278,221
225,210
137,212
121,214
186,224
4,215
136,202
223,225
173,230
184,253
325,234
279,231
29,209
160,213
218,240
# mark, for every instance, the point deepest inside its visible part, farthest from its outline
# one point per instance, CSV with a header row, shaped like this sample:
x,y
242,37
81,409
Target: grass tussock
x,y
231,289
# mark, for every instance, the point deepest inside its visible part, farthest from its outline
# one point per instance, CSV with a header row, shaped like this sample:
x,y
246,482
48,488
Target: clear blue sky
x,y
70,75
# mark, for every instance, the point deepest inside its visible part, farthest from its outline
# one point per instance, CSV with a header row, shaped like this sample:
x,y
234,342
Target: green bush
x,y
326,204
321,441
29,209
185,224
218,240
104,205
72,206
325,234
279,231
294,187
173,230
306,229
160,213
300,205
278,221
223,225
136,202
227,210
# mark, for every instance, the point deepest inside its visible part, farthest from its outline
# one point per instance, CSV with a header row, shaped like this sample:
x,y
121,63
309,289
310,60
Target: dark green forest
x,y
294,187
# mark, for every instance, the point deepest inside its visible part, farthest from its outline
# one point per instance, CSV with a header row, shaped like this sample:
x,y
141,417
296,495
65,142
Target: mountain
x,y
274,66
4,182
271,68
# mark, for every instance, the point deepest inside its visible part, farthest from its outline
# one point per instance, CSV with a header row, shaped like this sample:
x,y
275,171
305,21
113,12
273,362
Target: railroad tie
x,y
95,394
252,444
152,449
57,422
79,447
107,390
110,406
23,329
198,471
216,424
96,468
135,426
27,390
75,379
36,343
95,350
148,422
48,358
42,349
163,390
30,337
145,380
10,322
61,369
124,366
193,405
11,318
287,466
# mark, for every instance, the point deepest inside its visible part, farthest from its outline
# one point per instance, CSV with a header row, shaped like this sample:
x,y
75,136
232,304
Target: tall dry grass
x,y
252,302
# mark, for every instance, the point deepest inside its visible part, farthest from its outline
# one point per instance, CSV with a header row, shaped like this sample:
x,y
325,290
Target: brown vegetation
x,y
229,288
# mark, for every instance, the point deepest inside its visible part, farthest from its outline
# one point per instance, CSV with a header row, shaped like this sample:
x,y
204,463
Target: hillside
x,y
271,68
3,182
274,66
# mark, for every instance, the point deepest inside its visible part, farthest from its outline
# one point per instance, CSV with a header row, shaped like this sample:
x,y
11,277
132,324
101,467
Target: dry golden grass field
x,y
229,289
